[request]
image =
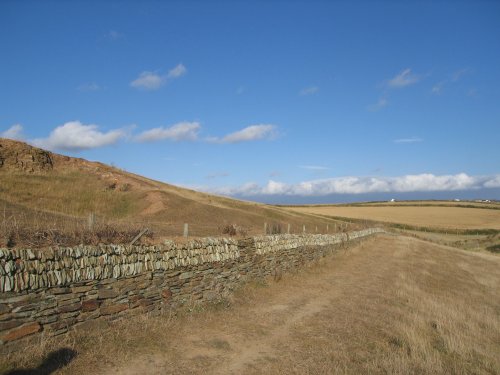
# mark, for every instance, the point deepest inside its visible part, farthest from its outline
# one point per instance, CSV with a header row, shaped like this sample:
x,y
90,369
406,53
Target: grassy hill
x,y
47,198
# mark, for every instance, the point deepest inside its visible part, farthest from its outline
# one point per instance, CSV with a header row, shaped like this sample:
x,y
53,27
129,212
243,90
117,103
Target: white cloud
x,y
493,182
382,102
153,80
177,71
148,81
250,133
408,140
14,132
182,131
92,86
359,185
314,167
309,90
76,136
403,79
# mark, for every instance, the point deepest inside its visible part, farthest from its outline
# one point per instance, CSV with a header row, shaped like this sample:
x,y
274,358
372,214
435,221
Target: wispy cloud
x,y
178,71
438,88
403,79
382,102
314,167
214,175
359,185
14,132
309,90
240,90
91,86
182,131
458,74
153,80
408,140
453,78
113,35
75,136
472,92
250,133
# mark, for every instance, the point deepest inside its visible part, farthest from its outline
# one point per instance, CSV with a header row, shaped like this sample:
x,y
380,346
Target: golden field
x,y
422,216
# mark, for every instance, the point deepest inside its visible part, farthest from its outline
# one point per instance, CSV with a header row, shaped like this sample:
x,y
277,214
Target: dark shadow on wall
x,y
54,361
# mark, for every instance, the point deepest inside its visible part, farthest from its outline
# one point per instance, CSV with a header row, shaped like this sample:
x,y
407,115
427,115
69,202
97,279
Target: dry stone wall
x,y
49,291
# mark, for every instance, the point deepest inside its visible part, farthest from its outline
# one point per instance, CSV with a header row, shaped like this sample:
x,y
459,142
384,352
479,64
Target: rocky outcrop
x,y
18,156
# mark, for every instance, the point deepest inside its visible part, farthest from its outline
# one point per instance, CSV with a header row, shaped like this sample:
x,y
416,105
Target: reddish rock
x,y
90,305
166,294
113,309
22,331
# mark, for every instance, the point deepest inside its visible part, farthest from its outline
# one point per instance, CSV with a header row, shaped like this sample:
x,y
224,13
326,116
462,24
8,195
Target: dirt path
x,y
389,305
257,334
236,351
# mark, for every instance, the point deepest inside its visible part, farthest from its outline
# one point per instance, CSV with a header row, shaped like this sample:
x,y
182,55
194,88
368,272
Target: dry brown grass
x,y
69,189
440,217
390,305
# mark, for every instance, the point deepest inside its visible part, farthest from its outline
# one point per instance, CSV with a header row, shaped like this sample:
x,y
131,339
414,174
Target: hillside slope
x,y
45,191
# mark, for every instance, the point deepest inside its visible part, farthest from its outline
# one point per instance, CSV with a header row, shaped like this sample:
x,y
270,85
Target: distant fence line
x,y
186,229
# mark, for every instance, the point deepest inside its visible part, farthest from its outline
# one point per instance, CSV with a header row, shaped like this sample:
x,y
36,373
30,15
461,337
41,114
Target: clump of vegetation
x,y
233,230
125,187
40,231
494,248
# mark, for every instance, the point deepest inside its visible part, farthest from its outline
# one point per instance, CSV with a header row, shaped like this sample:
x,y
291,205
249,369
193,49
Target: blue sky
x,y
274,101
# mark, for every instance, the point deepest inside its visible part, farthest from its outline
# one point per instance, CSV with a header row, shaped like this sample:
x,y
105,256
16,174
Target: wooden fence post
x,y
91,220
186,229
265,228
288,229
